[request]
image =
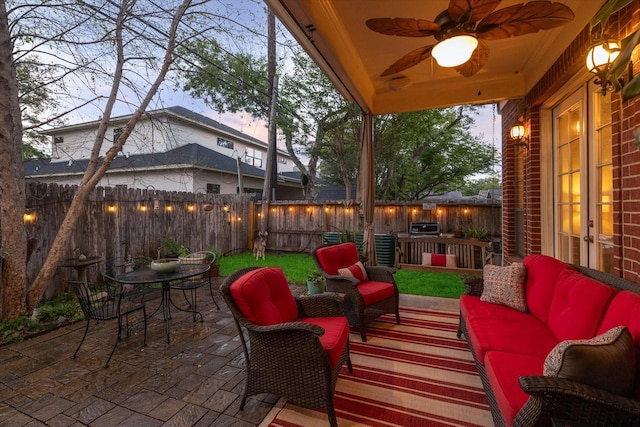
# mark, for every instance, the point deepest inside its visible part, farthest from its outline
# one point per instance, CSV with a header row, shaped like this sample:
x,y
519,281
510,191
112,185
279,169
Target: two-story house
x,y
172,149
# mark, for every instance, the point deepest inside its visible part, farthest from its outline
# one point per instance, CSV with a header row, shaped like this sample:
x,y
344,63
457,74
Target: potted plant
x,y
173,249
477,233
315,283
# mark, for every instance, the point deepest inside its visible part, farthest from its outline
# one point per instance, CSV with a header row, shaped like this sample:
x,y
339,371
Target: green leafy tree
x,y
309,108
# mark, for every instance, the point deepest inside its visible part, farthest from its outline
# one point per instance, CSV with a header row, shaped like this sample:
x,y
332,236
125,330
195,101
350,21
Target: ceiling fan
x,y
470,23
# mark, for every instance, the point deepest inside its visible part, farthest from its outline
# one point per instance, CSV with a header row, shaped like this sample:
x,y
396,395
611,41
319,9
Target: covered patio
x,y
196,380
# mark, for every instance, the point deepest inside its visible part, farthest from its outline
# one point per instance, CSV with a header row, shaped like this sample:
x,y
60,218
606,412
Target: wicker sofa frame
x,y
561,400
287,359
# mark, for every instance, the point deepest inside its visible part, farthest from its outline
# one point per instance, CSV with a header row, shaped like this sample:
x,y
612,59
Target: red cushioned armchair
x,y
370,291
297,346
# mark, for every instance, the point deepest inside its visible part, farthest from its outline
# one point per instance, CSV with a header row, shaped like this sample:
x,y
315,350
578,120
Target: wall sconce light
x,y
112,208
30,217
168,208
517,134
600,60
142,208
466,210
191,208
439,211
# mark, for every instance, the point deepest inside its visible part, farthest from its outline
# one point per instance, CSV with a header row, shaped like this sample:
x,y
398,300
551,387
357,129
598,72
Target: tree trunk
x,y
13,243
98,166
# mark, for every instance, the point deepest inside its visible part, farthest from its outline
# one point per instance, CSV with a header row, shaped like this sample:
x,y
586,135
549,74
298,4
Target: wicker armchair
x,y
296,347
366,300
106,301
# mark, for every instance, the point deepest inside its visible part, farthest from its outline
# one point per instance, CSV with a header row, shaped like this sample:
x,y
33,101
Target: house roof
x,y
185,156
179,113
334,192
336,36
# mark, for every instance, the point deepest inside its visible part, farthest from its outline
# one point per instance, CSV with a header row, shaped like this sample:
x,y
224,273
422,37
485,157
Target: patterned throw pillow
x,y
607,361
356,270
505,286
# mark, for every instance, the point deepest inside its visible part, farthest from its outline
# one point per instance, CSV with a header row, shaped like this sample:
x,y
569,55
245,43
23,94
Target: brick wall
x,y
626,156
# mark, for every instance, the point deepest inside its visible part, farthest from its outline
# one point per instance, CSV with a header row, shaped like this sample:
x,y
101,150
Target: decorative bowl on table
x,y
165,265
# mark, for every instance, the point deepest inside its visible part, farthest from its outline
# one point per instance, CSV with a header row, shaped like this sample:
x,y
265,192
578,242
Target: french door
x,y
583,180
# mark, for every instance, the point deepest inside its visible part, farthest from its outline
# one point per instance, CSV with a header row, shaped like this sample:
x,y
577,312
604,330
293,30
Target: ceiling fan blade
x,y
409,60
405,27
478,59
463,11
522,19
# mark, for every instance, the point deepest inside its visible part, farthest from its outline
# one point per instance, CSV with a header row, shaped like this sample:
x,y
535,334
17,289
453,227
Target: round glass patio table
x,y
146,276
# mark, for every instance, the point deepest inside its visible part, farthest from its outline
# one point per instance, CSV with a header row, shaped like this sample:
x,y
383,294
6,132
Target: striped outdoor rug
x,y
414,374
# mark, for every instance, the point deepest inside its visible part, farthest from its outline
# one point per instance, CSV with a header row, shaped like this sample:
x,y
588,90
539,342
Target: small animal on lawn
x,y
260,244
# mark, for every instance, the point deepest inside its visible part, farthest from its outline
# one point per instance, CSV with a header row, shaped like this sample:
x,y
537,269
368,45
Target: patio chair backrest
x,y
99,301
332,257
263,297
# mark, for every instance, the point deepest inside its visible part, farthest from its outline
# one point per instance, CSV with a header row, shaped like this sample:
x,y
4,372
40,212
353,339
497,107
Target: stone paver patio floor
x,y
196,380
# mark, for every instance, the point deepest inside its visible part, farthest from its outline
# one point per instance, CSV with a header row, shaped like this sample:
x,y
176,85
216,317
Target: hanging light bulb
x,y
454,51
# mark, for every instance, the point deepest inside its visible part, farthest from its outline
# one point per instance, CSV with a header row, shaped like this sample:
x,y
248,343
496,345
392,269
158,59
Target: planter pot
x,y
215,270
315,287
193,259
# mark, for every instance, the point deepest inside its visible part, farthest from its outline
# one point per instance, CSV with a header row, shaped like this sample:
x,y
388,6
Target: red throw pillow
x,y
357,270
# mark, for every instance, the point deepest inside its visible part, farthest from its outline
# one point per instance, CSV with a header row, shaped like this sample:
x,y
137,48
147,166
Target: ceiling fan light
x,y
601,55
454,51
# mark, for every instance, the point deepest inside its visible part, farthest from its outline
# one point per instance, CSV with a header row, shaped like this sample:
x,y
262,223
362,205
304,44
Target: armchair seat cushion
x,y
373,292
336,334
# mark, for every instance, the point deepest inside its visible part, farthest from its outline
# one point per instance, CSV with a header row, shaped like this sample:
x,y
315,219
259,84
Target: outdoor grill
x,y
424,229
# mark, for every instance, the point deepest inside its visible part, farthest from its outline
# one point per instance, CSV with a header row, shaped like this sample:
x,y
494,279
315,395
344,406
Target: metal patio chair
x,y
106,301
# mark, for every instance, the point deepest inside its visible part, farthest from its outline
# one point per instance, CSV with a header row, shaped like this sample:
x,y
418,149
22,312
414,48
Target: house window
x,y
58,139
116,134
253,157
225,143
213,188
249,190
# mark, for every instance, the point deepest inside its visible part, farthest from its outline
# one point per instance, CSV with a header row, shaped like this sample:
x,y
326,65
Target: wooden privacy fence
x,y
122,222
119,222
300,225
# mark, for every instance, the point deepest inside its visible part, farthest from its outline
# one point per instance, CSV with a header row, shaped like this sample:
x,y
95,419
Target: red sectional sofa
x,y
563,303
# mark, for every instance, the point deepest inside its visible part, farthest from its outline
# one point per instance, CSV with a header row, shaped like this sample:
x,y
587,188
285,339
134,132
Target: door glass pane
x,y
567,131
603,184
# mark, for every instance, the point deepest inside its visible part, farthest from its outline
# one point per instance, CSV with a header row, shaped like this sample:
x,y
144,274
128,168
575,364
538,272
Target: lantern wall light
x,y
600,61
517,134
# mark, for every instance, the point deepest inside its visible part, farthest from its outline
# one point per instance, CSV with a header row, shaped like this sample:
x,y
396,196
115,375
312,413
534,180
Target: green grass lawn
x,y
297,266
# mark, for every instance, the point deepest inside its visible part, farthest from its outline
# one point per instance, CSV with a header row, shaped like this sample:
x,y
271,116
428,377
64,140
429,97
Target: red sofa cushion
x,y
577,306
336,334
503,371
624,310
505,330
264,297
542,275
333,257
